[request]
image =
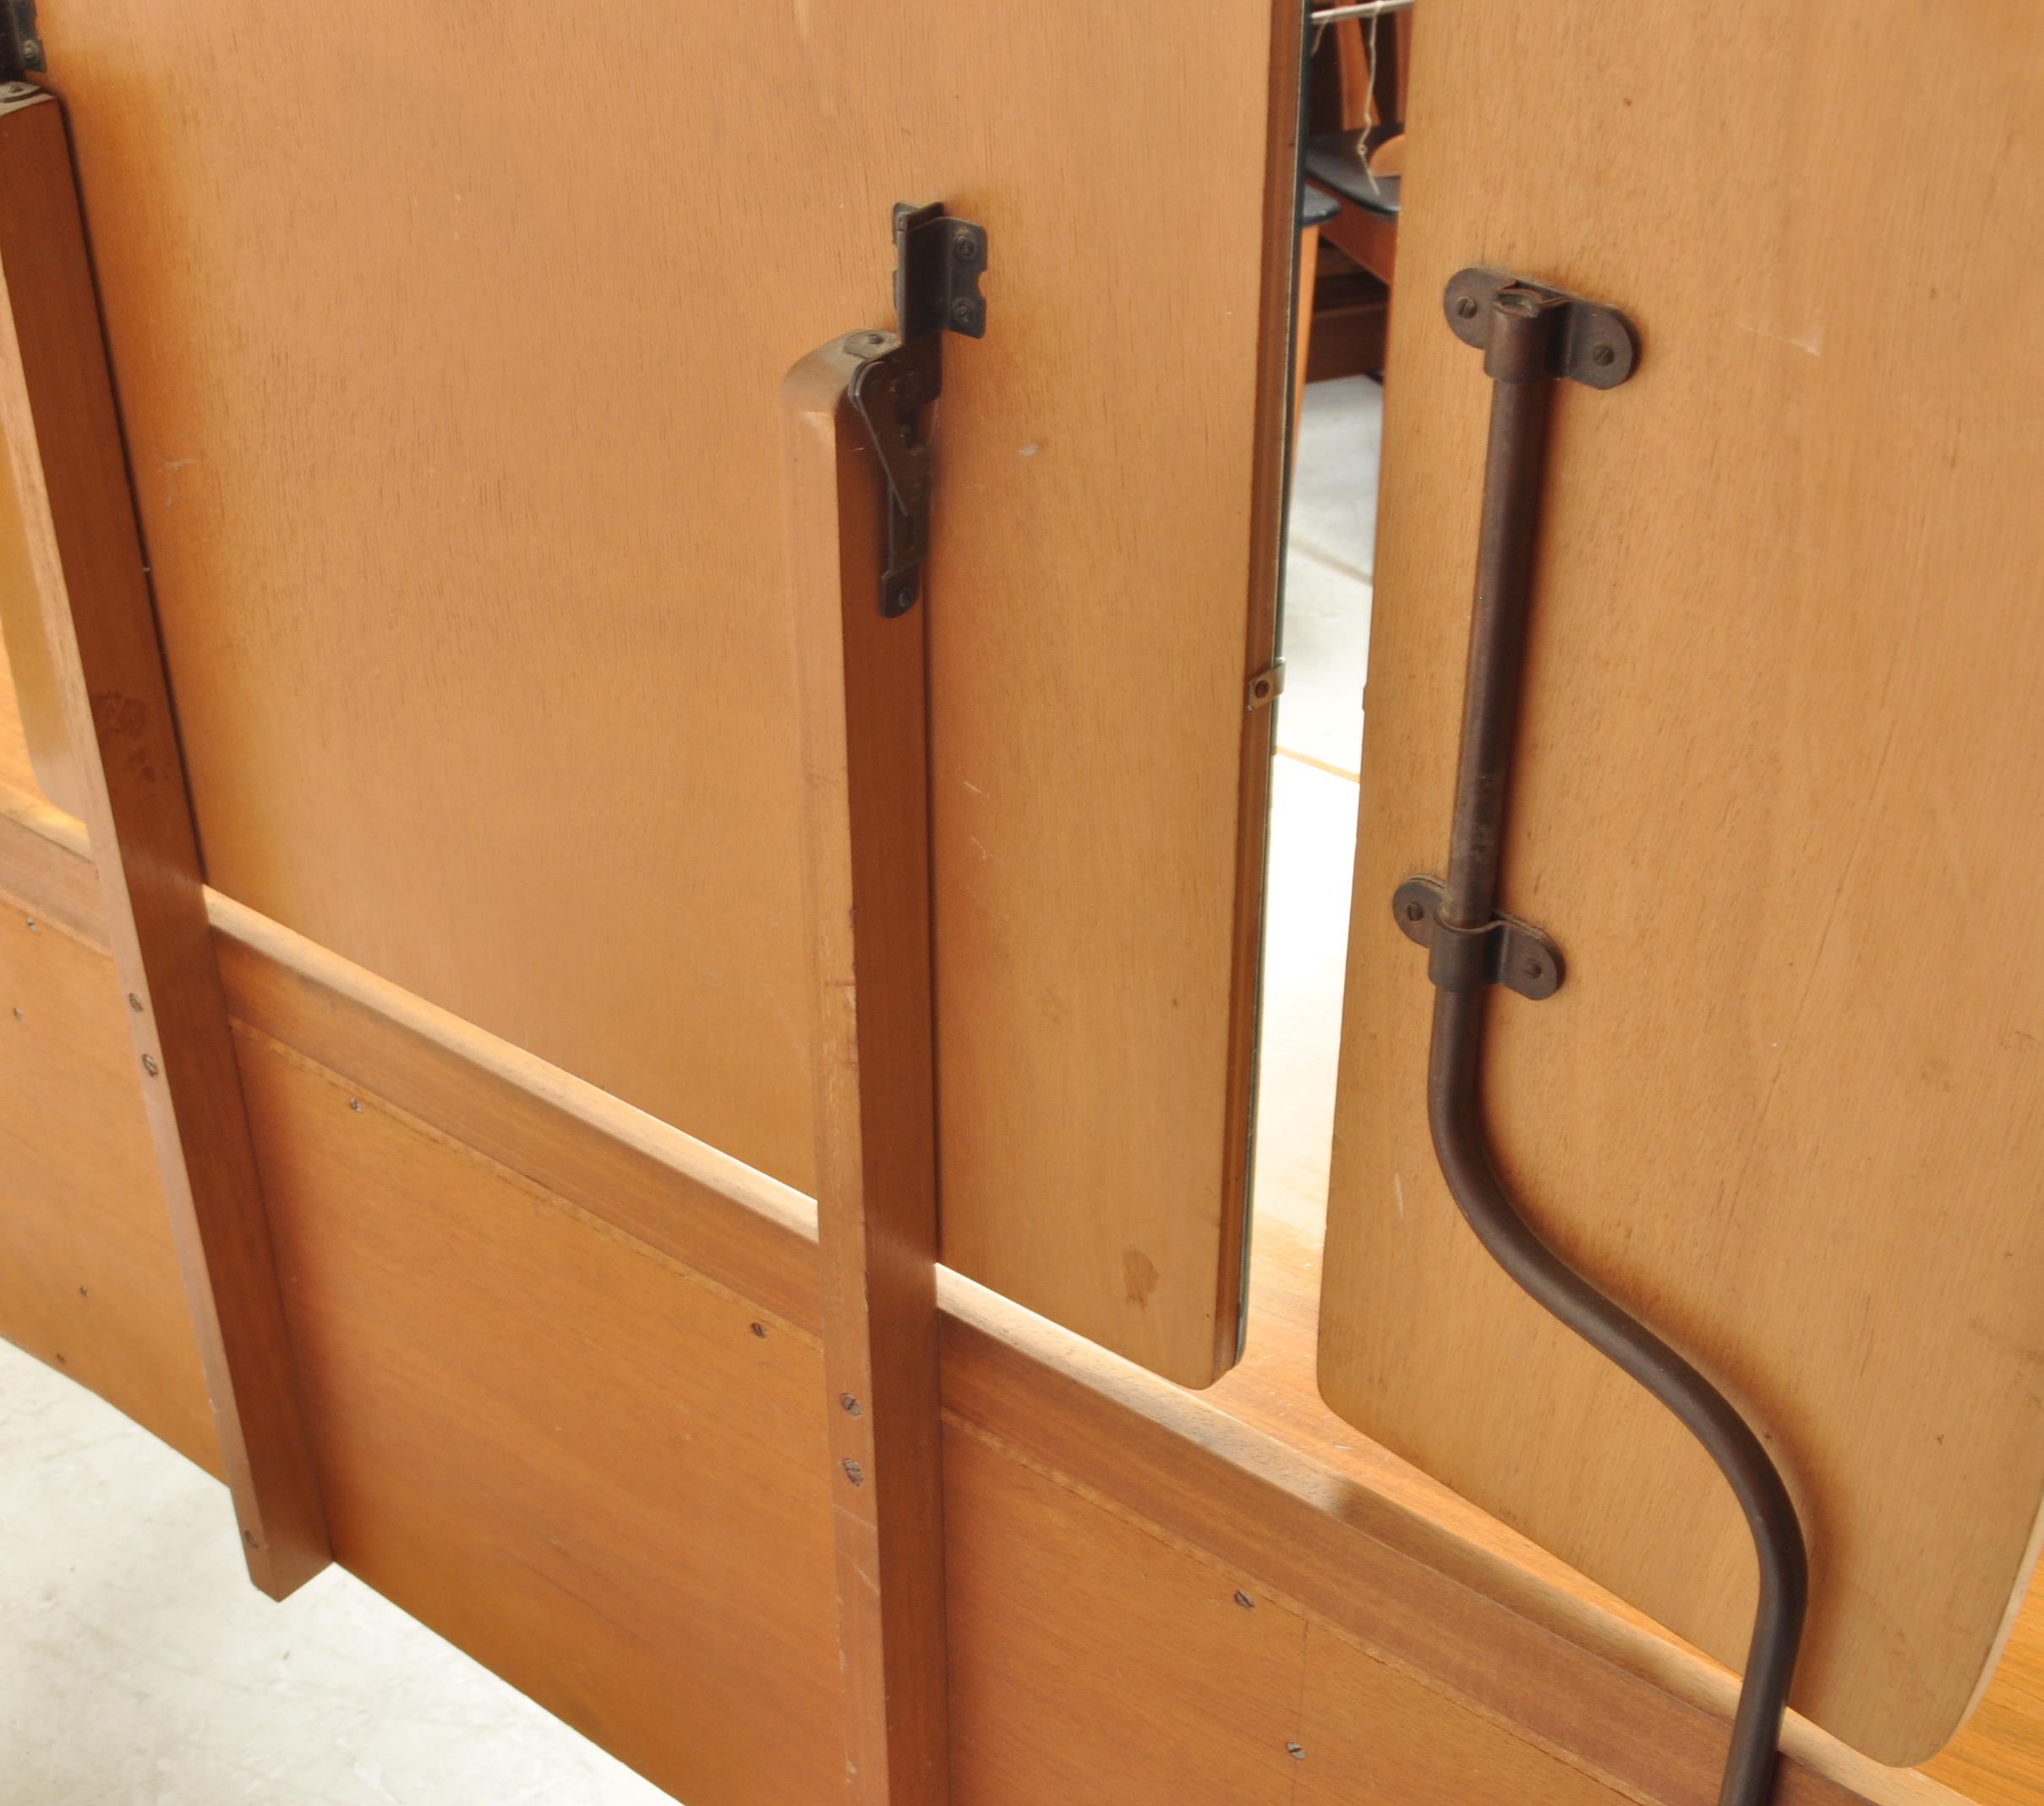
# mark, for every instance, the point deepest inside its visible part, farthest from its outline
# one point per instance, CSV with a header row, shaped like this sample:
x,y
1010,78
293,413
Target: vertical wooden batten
x,y
63,432
866,898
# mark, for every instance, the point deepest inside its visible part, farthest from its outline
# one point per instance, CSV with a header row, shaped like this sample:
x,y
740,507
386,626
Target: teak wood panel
x,y
448,354
1255,1484
65,465
1776,798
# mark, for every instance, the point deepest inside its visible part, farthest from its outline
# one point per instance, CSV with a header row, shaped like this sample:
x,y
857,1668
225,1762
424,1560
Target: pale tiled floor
x,y
1313,821
138,1667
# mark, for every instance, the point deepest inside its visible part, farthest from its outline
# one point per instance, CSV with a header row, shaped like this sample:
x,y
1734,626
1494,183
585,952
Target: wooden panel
x,y
1096,1663
35,749
454,432
593,1471
15,771
866,894
88,1272
1775,799
1371,1736
70,484
1255,1482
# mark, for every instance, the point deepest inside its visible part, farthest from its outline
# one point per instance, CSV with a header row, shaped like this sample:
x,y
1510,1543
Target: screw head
x,y
965,248
355,1104
149,1065
961,312
760,1330
1245,1602
1465,307
851,1405
1296,1751
1604,356
854,1472
135,1003
1413,913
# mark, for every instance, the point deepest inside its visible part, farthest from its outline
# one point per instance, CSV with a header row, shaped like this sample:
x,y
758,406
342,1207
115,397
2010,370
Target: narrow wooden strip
x,y
866,899
57,409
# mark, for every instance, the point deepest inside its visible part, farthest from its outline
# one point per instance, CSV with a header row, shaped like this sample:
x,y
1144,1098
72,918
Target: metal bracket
x,y
1503,951
20,47
1593,345
938,261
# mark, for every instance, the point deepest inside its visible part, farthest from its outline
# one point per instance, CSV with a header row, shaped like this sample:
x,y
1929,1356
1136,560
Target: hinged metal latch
x,y
20,47
938,264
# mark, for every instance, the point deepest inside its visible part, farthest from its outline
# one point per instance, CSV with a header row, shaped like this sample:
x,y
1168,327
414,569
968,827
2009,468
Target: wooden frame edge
x,y
63,430
860,685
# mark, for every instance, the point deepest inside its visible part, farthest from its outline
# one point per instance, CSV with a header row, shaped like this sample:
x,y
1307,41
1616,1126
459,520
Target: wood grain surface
x,y
1776,798
17,772
1997,1758
88,1271
449,370
865,888
69,482
468,1234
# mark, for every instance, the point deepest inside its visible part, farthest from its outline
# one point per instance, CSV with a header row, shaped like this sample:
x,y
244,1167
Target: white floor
x,y
138,1667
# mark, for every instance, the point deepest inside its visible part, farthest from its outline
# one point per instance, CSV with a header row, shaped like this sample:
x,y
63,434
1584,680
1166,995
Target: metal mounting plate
x,y
1520,957
938,264
20,45
1596,345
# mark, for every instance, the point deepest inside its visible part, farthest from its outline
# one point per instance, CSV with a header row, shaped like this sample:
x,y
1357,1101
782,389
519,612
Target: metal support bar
x,y
1532,337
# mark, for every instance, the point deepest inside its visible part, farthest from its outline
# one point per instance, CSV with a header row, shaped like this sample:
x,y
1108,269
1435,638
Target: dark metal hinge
x,y
938,261
1504,950
20,45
